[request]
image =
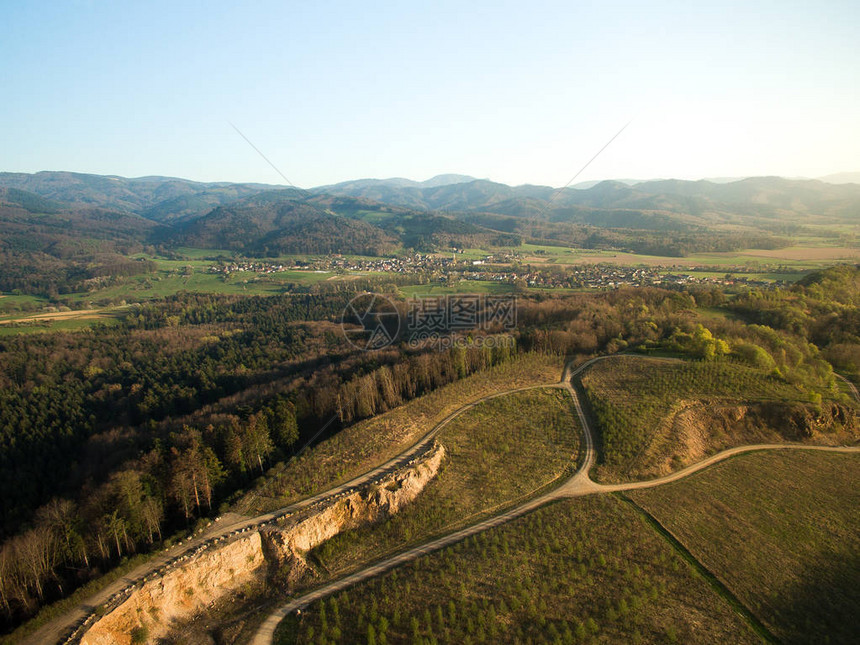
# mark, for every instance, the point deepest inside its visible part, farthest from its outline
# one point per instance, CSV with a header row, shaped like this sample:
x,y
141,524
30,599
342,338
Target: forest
x,y
113,439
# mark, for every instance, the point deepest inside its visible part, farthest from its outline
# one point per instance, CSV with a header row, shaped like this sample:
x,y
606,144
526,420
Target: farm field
x,y
801,257
781,530
583,570
72,320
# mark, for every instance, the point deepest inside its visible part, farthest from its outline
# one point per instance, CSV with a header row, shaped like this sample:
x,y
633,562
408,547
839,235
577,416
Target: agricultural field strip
x,y
577,485
58,629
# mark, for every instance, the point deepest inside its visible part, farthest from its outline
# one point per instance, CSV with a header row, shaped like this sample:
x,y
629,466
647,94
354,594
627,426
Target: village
x,y
504,268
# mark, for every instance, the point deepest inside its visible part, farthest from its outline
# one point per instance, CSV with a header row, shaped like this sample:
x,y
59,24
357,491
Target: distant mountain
x,y
589,184
768,197
446,180
376,216
667,203
157,198
396,191
842,178
395,182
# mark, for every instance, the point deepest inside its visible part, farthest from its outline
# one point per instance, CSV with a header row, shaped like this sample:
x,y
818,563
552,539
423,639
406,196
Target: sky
x,y
516,92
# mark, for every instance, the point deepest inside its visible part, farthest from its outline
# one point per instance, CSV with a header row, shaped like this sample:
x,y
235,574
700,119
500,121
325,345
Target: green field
x,y
782,531
588,570
10,302
812,254
460,286
502,451
170,278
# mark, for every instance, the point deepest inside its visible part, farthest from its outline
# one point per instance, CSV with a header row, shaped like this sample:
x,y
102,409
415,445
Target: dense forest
x,y
110,440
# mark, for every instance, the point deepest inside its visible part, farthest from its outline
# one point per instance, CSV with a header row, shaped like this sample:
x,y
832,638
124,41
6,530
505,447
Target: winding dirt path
x,y
57,630
577,485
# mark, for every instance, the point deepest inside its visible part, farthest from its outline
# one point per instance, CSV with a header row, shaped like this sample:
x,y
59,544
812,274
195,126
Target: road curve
x,y
578,484
586,486
266,631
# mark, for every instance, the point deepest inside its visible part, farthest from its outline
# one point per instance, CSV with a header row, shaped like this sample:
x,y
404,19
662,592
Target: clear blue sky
x,y
518,92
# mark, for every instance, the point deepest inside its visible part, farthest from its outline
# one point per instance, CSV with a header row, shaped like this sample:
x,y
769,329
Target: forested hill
x,y
687,201
283,222
292,221
55,213
156,198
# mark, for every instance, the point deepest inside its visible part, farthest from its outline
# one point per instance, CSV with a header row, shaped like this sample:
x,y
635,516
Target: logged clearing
x,y
369,443
782,531
584,570
655,416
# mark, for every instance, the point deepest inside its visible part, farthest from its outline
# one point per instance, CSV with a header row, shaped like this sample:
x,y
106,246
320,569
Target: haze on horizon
x,y
517,94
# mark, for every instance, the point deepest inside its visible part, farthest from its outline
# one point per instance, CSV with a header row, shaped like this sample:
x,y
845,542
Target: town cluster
x,y
501,268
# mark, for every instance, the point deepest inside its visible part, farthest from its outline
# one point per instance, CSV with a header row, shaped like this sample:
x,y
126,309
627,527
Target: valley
x,y
429,323
199,374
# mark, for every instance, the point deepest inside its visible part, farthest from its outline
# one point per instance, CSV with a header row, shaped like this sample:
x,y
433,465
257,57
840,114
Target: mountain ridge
x,y
372,216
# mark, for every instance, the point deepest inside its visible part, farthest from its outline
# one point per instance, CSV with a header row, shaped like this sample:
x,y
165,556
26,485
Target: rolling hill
x,y
372,216
156,198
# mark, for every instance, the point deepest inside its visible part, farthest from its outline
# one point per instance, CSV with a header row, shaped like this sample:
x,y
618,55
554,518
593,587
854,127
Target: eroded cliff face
x,y
286,546
159,604
181,592
698,428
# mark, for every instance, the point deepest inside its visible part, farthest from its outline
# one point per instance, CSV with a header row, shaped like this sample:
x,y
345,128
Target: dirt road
x,y
57,630
578,484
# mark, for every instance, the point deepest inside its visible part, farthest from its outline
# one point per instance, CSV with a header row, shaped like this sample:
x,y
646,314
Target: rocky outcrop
x,y
184,591
287,546
154,606
698,428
